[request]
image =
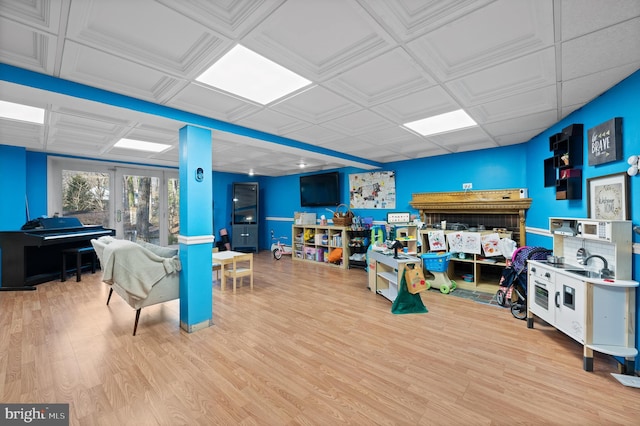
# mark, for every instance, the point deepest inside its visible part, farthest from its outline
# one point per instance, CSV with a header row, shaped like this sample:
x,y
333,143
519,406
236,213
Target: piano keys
x,y
33,255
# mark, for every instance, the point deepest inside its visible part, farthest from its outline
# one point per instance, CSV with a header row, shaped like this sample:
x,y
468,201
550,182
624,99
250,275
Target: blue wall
x,y
37,183
13,173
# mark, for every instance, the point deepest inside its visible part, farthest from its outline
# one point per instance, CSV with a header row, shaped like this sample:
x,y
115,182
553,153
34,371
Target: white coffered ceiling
x,y
515,66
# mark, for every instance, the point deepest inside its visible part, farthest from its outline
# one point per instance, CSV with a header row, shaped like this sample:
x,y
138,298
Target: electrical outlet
x,y
467,185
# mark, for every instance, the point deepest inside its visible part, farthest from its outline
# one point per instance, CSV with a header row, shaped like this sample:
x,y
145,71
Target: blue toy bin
x,y
436,262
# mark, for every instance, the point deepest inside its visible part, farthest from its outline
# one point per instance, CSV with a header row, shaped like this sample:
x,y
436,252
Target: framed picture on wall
x,y
608,197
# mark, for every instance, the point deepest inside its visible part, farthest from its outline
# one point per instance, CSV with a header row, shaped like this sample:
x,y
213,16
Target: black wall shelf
x,y
563,169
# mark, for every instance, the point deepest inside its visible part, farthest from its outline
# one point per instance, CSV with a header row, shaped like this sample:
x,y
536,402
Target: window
x,y
139,203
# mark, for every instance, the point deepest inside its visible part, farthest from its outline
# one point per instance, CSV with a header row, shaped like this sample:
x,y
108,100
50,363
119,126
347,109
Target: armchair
x,y
142,274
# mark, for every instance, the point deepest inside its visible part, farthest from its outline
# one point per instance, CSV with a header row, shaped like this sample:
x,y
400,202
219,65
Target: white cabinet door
x,y
541,292
569,301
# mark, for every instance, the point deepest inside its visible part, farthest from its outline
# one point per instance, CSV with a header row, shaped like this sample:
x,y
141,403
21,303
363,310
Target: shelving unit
x,y
357,246
562,170
408,236
385,273
486,271
318,248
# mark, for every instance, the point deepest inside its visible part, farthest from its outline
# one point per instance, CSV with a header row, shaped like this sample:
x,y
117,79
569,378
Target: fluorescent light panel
x,y
21,112
252,76
447,122
141,145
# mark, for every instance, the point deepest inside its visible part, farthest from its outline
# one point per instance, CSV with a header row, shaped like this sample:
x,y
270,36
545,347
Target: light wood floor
x,y
309,346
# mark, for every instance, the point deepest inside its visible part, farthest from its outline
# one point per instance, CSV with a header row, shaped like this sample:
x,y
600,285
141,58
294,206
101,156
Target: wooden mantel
x,y
499,201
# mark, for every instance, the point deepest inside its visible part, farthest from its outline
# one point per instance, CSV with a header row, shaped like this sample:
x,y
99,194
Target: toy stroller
x,y
513,283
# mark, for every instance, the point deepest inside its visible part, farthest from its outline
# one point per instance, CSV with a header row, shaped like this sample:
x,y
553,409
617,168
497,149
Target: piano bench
x,y
78,251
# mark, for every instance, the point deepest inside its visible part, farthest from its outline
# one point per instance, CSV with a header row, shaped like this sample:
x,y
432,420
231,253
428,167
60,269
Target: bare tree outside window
x,y
85,195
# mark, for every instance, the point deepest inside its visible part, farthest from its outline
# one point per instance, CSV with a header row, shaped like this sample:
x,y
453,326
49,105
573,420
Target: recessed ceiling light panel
x,y
443,123
249,75
21,112
141,145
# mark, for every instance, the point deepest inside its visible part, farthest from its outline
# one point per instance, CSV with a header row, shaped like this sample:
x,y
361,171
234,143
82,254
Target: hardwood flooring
x,y
310,345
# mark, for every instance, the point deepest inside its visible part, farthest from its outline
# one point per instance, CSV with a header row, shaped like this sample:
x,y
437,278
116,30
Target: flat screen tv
x,y
320,190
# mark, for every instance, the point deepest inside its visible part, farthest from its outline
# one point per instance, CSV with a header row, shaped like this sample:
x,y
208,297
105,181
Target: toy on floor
x,y
437,264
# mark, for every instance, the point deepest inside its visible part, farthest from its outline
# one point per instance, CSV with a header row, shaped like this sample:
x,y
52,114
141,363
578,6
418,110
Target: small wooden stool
x,y
78,251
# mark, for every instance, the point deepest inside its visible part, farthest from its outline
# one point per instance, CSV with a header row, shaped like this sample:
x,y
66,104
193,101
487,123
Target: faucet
x,y
605,271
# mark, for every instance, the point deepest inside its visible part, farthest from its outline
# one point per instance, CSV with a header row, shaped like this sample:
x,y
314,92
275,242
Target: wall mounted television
x,y
320,190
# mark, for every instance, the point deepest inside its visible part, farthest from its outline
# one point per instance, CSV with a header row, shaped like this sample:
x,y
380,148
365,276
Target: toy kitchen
x,y
585,289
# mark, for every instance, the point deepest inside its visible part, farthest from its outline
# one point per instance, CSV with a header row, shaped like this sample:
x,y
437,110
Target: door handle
x,y
557,297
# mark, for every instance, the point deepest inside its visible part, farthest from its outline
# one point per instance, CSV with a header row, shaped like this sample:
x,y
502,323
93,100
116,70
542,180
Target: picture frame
x,y
608,197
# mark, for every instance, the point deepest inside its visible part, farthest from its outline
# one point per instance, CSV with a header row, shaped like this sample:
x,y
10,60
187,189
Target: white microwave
x,y
595,229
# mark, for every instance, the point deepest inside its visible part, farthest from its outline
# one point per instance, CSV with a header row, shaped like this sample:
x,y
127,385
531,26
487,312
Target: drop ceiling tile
x,y
417,105
316,105
85,120
534,101
27,135
41,15
272,122
318,39
231,18
315,135
381,155
499,32
415,149
388,76
24,47
68,141
408,19
518,138
171,156
580,17
507,79
208,102
581,90
152,134
98,69
460,137
390,136
613,46
474,146
359,122
350,145
534,121
143,31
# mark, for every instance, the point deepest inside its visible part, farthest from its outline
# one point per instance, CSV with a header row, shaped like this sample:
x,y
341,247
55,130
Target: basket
x,y
436,262
342,218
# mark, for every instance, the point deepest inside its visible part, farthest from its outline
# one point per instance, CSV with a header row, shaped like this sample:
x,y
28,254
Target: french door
x,y
147,205
140,204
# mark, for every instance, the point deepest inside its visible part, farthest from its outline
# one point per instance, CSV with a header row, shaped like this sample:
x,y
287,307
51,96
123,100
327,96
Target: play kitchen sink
x,y
593,303
588,274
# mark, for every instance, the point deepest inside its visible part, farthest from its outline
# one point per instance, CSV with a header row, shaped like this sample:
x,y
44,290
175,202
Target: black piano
x,y
33,255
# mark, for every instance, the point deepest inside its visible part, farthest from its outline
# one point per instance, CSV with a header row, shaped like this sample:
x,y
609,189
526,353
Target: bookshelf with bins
x,y
314,243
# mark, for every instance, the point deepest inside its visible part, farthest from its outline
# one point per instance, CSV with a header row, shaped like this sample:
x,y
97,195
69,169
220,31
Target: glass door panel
x,y
173,209
138,216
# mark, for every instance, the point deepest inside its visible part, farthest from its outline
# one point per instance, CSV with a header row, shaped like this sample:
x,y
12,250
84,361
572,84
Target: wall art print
x,y
372,190
605,142
608,197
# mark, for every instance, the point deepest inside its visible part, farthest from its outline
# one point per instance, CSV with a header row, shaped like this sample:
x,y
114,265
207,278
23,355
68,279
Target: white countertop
x,y
566,270
388,259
